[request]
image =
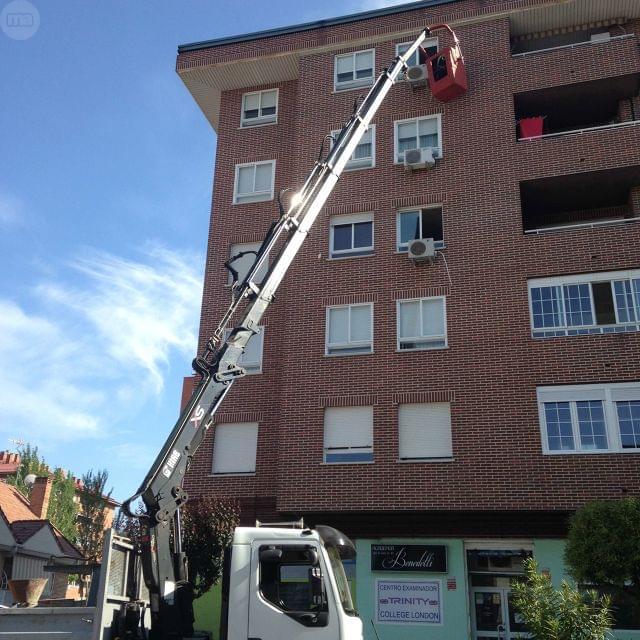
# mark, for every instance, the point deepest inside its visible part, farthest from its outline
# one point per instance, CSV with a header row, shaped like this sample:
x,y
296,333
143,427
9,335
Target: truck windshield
x,y
341,580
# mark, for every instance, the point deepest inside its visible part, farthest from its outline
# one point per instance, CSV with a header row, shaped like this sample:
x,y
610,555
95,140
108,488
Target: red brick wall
x,y
492,366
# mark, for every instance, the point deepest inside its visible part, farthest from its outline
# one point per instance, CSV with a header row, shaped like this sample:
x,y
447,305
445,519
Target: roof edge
x,y
309,26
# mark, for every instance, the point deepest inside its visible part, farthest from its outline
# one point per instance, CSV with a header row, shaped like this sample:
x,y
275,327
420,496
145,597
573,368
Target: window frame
x,y
259,196
438,244
350,449
249,367
433,116
260,120
609,394
353,84
348,345
356,164
226,474
568,330
352,219
408,44
422,348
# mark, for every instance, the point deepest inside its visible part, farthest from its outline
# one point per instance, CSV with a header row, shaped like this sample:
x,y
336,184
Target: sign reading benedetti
x,y
417,602
425,558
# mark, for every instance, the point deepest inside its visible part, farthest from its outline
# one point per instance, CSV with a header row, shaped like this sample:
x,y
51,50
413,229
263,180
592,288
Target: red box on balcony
x,y
531,127
447,75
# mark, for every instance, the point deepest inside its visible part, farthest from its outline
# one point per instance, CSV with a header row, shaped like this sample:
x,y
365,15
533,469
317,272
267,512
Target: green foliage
x,y
564,614
62,510
207,530
92,516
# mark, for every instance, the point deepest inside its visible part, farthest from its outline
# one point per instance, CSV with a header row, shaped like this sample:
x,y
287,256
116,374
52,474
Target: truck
x,y
278,582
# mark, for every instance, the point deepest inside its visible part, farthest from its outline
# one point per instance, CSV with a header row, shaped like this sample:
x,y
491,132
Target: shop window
x,y
353,70
254,182
364,157
420,223
424,431
235,447
348,434
259,107
349,330
351,235
422,324
418,133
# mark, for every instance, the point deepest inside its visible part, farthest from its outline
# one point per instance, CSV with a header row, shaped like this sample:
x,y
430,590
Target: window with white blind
x,y
259,107
245,262
364,157
351,235
254,182
234,448
422,324
349,330
590,418
418,133
430,45
348,434
585,304
251,359
353,70
424,431
420,223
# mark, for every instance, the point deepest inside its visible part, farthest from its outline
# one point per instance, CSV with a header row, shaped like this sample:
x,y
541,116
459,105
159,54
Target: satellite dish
x,y
30,479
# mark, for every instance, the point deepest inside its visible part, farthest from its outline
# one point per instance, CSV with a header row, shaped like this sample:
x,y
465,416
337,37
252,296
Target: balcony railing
x,y
556,134
573,45
580,225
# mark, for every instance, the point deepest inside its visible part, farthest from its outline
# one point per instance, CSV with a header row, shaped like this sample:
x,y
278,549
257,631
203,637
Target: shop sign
x,y
425,558
417,602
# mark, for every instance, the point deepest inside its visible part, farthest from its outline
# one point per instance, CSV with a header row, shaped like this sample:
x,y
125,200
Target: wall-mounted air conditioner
x,y
601,37
417,76
421,250
419,158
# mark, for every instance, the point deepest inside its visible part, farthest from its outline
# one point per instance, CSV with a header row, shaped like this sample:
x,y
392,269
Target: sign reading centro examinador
x,y
425,558
416,602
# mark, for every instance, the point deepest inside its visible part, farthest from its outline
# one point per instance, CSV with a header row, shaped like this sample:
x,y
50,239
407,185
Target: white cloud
x,y
92,350
11,209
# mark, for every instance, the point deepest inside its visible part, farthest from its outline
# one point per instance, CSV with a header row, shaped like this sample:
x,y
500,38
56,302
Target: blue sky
x,y
105,185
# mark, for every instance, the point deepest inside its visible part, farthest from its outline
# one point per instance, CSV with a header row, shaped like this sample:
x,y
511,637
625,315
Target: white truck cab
x,y
281,584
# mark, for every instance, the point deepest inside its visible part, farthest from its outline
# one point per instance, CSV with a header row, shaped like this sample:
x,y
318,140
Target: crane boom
x,y
163,561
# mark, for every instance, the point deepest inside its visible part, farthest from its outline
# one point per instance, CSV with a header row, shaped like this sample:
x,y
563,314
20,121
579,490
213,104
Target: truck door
x,y
289,594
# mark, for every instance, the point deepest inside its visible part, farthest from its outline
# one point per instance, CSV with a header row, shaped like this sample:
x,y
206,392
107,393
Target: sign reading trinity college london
x,y
409,557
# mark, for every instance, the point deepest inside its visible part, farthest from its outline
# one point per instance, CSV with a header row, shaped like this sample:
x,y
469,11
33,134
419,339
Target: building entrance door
x,y
493,616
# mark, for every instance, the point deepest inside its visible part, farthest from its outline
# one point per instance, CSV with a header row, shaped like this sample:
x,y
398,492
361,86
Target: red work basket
x,y
531,127
447,75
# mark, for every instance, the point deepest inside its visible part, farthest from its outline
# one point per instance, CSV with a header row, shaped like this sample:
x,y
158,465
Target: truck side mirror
x,y
312,556
270,555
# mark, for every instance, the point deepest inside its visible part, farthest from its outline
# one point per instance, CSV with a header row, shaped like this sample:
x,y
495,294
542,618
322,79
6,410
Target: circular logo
x,y
20,20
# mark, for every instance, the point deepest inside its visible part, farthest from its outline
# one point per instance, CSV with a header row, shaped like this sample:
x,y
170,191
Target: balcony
x,y
594,198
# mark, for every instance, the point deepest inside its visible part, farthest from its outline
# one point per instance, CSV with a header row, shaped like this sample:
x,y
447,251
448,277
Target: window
x,y
583,304
430,45
422,324
244,263
420,223
234,448
590,418
254,182
259,107
354,70
251,359
351,235
424,431
364,157
348,434
349,330
418,133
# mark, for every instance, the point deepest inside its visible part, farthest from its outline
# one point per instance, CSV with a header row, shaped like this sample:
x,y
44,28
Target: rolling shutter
x,y
234,447
424,431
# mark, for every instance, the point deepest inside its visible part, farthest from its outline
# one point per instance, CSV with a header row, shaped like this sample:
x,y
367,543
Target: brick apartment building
x,y
465,407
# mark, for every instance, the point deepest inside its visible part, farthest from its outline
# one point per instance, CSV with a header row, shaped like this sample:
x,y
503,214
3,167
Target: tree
x,y
92,516
564,614
207,530
62,508
603,549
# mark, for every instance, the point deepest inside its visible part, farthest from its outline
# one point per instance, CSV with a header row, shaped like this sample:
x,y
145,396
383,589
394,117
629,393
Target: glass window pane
x,y
629,423
364,64
269,99
363,234
624,301
407,136
263,177
593,434
603,303
410,319
636,292
427,126
409,226
252,101
342,237
545,305
360,323
245,179
432,224
577,302
558,421
433,317
344,68
339,325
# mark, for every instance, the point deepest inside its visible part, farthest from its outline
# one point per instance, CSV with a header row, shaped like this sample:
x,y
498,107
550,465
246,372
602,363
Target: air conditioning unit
x,y
417,76
601,37
421,250
419,159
